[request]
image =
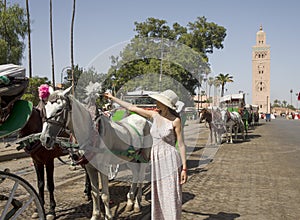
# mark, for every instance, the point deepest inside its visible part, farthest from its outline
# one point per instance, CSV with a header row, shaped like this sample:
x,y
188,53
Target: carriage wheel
x,y
18,199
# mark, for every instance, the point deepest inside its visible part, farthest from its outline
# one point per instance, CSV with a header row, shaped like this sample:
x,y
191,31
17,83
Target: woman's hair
x,y
173,112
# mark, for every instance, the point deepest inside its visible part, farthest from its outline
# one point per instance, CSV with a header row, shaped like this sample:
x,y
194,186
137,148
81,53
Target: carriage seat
x,y
13,85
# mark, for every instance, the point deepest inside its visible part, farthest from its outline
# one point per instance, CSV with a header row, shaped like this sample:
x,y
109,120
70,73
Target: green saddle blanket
x,y
17,119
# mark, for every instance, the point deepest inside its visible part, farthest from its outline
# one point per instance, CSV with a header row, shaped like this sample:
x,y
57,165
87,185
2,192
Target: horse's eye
x,y
59,111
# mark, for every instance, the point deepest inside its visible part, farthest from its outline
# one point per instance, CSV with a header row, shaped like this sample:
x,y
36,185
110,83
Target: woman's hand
x,y
183,176
108,95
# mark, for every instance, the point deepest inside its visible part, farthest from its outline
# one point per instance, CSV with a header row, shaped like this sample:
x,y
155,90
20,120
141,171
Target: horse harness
x,y
64,111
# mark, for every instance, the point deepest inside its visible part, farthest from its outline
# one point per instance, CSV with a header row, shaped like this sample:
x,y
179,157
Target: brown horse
x,y
42,157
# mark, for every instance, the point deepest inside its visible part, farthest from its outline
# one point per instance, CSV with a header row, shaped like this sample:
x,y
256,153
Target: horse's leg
x,y
231,127
138,197
133,187
40,174
105,195
226,133
50,186
243,128
88,187
236,131
93,176
211,133
246,125
134,195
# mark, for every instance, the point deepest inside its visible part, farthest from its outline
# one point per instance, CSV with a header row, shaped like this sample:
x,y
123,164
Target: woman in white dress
x,y
168,165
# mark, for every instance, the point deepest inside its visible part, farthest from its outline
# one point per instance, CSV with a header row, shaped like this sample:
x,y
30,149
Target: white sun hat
x,y
169,99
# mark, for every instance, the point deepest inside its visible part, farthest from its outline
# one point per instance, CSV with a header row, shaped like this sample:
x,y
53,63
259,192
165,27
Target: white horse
x,y
110,143
233,121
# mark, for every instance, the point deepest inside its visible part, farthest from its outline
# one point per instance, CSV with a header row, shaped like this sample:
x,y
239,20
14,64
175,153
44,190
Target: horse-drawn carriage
x,y
18,199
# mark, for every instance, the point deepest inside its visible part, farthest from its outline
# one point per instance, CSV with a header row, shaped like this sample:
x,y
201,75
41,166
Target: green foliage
x,y
201,35
223,79
31,93
161,56
13,29
82,80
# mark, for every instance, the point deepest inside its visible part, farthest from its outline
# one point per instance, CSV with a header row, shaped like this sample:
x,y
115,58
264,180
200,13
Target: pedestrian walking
x,y
168,165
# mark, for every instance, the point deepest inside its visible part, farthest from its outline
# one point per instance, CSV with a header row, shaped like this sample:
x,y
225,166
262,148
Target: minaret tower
x,y
261,72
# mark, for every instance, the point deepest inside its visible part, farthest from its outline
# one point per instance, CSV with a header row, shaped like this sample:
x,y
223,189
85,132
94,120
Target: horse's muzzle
x,y
47,142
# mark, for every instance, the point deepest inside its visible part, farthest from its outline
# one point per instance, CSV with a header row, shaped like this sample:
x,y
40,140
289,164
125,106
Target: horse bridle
x,y
64,111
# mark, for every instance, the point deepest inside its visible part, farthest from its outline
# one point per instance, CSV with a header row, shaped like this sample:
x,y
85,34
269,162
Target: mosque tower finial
x,y
261,28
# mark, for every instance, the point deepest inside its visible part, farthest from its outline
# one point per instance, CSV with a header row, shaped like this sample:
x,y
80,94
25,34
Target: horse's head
x,y
57,117
205,115
225,114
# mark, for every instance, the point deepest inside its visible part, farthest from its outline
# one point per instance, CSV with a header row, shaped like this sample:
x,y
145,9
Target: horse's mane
x,y
55,95
83,125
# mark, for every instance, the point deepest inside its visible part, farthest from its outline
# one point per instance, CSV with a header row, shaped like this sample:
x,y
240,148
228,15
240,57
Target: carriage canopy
x,y
14,112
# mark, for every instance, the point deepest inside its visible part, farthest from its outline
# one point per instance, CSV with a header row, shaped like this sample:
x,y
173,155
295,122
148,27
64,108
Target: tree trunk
x,y
222,90
72,46
29,39
51,42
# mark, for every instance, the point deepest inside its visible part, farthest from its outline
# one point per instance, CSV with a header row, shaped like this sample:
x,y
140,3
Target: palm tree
x,y
223,79
284,103
72,53
210,82
51,45
29,39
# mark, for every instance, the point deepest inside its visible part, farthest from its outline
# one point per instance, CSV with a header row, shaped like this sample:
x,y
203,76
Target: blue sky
x,y
101,24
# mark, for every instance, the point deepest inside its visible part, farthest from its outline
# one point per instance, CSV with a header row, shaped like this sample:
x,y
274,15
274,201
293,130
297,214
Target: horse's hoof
x,y
50,217
35,215
136,209
95,217
87,197
128,208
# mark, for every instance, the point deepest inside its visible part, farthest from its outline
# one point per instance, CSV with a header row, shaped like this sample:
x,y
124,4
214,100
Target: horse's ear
x,y
51,90
67,91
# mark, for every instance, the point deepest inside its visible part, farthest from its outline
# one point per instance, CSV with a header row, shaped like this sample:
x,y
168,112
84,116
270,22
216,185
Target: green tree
x,y
204,36
276,103
284,102
31,93
13,30
172,52
201,35
223,79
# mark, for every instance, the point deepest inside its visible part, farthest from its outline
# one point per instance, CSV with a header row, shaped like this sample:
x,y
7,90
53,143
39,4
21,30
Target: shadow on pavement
x,y
81,211
219,216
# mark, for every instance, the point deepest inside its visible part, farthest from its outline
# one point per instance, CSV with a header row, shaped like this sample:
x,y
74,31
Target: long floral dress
x,y
166,191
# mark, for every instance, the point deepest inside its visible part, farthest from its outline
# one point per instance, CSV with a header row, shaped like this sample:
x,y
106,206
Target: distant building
x,y
261,72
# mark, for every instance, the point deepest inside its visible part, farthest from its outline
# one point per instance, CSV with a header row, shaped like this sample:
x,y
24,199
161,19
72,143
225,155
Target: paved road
x,y
256,179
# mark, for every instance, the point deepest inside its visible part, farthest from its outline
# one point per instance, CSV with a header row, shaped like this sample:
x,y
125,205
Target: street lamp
x,y
199,90
62,72
291,91
297,99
